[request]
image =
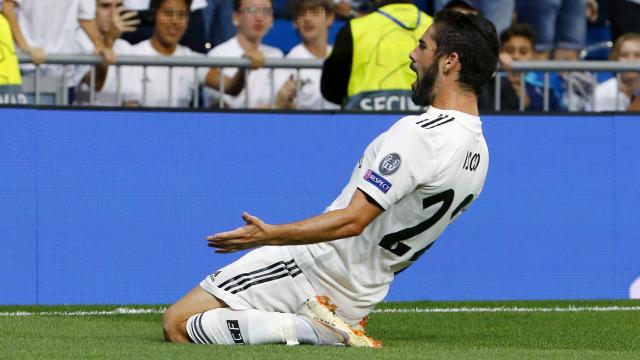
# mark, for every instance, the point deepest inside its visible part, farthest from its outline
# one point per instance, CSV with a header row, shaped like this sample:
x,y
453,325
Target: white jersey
x,y
423,171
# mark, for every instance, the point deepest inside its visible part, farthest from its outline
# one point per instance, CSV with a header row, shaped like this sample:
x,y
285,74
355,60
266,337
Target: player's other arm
x,y
332,225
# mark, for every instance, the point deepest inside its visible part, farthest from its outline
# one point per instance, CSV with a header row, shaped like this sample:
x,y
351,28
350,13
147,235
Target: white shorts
x,y
267,278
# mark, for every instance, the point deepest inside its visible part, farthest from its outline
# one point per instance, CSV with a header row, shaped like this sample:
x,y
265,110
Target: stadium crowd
x,y
356,38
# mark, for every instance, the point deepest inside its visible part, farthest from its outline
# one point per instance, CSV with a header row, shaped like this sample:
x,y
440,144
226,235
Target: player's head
x,y
172,19
457,49
627,48
463,6
312,18
252,18
518,41
105,10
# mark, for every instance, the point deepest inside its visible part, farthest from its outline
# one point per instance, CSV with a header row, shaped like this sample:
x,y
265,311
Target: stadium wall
x,y
113,207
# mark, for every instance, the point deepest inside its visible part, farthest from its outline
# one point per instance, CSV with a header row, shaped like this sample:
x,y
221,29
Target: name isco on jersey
x,y
471,161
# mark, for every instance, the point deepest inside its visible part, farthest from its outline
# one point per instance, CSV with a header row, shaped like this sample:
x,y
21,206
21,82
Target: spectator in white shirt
x,y
42,27
252,19
156,88
312,19
112,21
622,95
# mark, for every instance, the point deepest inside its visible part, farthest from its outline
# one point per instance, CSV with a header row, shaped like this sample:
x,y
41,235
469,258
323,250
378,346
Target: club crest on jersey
x,y
378,181
389,164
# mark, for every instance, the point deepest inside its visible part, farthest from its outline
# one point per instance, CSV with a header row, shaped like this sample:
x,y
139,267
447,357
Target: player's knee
x,y
173,327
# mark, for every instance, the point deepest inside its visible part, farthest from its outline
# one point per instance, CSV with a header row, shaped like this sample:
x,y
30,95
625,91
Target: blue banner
x,y
113,207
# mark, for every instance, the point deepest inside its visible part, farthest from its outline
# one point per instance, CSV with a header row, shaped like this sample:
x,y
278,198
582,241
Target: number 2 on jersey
x,y
393,242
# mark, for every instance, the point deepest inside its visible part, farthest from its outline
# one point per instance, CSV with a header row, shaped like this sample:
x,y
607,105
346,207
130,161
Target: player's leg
x,y
196,301
202,318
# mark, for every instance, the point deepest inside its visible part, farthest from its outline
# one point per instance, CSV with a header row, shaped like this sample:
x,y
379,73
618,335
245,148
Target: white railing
x,y
518,67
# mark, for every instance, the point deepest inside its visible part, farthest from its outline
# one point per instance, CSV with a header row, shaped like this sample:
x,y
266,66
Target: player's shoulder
x,y
421,124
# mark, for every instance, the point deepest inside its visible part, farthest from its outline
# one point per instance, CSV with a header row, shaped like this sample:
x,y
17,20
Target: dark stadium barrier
x,y
106,207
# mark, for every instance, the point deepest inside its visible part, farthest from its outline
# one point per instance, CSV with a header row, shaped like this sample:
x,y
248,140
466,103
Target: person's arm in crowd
x,y
336,69
90,27
635,102
233,85
38,56
122,22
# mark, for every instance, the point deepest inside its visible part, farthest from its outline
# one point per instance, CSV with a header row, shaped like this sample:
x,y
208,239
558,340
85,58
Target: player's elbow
x,y
354,228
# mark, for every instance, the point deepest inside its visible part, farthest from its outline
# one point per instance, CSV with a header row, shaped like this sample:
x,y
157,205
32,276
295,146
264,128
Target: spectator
x,y
10,79
252,19
218,26
622,92
112,22
312,19
152,89
560,26
195,33
499,12
42,27
518,43
368,68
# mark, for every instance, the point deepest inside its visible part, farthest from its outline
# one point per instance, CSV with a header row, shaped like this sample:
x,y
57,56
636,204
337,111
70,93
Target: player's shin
x,y
232,327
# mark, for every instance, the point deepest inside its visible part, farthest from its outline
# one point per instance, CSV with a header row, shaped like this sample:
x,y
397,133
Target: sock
x,y
232,327
305,332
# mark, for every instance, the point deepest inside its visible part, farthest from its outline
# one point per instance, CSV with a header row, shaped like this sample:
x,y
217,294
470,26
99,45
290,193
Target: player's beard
x,y
423,93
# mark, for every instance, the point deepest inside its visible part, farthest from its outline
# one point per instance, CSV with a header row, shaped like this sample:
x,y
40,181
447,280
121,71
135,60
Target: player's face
x,y
425,64
105,10
172,18
254,19
630,51
313,23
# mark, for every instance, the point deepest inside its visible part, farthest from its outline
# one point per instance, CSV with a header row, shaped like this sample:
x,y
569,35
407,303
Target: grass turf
x,y
482,335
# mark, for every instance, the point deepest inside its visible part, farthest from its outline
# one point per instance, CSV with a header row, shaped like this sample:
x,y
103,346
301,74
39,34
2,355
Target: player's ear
x,y
450,61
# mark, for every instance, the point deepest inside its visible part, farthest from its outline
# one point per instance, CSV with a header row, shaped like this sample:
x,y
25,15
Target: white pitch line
x,y
502,309
514,309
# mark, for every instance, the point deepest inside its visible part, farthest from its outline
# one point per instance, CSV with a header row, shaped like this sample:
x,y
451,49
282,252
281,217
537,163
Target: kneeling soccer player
x,y
314,281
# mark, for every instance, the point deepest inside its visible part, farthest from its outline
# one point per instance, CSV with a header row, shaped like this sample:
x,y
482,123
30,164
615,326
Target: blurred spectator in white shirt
x,y
252,19
312,19
622,93
42,27
161,86
112,21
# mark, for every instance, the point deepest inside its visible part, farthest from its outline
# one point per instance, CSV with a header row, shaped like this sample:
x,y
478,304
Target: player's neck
x,y
246,44
456,99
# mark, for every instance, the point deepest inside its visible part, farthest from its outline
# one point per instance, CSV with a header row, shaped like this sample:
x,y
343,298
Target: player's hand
x,y
251,235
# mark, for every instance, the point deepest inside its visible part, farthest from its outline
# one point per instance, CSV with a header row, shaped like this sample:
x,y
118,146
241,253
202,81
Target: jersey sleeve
x,y
87,10
404,162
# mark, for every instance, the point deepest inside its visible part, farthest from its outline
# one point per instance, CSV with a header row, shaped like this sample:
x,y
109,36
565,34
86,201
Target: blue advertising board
x,y
113,207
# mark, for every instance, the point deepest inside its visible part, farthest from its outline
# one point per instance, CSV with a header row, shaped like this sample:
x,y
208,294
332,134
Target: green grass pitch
x,y
536,331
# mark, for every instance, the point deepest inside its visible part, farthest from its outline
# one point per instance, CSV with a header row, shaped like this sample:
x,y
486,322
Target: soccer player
x,y
315,280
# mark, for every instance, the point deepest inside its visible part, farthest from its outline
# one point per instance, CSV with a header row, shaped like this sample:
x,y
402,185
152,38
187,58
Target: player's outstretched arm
x,y
332,225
